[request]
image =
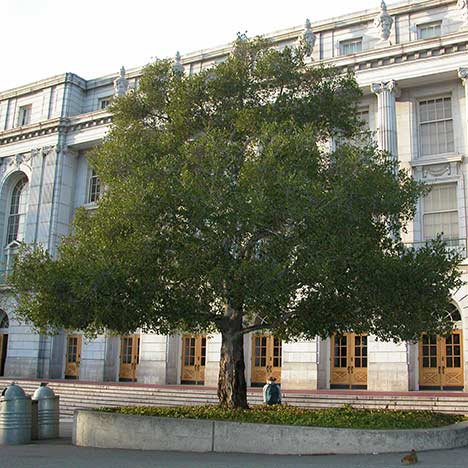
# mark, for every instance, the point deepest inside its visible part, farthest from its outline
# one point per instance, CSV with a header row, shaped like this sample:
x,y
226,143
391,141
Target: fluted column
x,y
387,92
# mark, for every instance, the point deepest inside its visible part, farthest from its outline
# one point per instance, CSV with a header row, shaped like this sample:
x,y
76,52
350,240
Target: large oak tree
x,y
227,211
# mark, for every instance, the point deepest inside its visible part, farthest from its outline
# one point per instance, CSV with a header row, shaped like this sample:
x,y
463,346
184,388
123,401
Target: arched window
x,y
4,322
17,211
454,314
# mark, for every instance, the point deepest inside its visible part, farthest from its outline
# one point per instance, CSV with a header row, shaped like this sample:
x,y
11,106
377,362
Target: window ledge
x,y
437,159
90,206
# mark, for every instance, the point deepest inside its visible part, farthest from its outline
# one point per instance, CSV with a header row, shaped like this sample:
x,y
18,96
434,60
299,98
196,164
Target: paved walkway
x,y
61,453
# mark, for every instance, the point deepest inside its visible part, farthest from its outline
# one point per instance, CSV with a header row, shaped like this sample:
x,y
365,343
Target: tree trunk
x,y
232,388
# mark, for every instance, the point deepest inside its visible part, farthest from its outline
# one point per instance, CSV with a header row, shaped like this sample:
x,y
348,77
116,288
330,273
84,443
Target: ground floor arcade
x,y
349,361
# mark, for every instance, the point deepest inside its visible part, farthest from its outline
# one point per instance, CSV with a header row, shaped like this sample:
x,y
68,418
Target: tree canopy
x,y
228,211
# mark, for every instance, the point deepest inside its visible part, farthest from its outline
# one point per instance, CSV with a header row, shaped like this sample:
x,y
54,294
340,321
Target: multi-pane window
x,y
363,115
428,30
17,212
351,46
94,188
436,126
104,102
440,212
24,115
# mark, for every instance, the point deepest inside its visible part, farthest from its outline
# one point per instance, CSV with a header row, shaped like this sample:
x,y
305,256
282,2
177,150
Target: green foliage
x,y
224,202
344,417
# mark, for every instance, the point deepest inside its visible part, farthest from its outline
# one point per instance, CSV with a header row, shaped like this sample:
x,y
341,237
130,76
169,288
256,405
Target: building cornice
x,y
53,126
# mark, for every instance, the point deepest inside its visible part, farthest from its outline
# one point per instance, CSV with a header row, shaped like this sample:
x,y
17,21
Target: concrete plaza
x,y
61,453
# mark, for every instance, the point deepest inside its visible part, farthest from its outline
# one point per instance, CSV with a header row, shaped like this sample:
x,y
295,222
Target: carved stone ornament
x,y
178,67
463,5
463,74
383,22
120,84
388,86
17,160
307,38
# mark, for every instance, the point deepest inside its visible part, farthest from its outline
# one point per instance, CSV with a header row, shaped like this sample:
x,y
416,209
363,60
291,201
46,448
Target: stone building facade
x,y
411,62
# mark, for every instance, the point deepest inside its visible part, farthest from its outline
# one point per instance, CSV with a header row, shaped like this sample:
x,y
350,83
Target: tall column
x,y
387,92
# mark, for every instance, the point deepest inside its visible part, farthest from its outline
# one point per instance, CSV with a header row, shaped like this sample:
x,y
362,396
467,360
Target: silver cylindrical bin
x,y
15,416
46,421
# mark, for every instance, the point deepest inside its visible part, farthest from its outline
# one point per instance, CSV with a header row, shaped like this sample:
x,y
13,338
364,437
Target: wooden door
x,y
73,357
266,359
129,357
3,352
193,360
348,367
441,362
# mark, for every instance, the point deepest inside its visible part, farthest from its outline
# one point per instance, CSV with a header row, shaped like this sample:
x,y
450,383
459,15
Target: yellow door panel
x,y
129,357
193,359
73,357
266,359
348,366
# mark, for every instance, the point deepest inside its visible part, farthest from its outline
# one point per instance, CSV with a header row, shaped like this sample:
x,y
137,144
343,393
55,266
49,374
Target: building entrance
x,y
73,357
193,359
348,367
441,362
266,359
129,358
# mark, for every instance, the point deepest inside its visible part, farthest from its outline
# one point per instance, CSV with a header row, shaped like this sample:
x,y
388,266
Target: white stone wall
x,y
300,365
153,354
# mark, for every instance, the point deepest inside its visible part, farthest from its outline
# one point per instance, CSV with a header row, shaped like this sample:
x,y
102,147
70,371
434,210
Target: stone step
x,y
75,394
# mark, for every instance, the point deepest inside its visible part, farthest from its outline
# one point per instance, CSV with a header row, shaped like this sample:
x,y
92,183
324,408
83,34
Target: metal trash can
x,y
15,416
45,413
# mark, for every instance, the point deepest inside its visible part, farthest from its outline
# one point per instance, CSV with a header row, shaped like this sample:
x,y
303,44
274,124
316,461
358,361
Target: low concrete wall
x,y
108,430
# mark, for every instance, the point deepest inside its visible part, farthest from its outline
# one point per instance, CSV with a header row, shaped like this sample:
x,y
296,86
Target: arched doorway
x,y
4,326
441,358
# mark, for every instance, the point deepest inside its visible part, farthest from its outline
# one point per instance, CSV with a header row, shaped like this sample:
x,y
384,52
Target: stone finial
x,y
178,67
383,22
307,38
120,84
242,36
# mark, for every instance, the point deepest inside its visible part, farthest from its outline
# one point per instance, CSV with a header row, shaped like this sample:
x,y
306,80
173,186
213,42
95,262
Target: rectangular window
x,y
441,212
104,102
436,126
363,115
429,30
94,188
24,115
351,46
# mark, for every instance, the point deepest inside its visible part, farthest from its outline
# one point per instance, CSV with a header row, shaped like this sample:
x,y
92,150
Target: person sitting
x,y
271,392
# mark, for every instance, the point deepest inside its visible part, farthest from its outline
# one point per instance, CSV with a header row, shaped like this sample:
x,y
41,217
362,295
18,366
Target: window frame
x,y
92,195
20,217
24,115
420,123
456,210
426,26
103,100
352,40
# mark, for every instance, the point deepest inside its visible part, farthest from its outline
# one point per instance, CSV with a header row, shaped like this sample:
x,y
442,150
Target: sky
x,y
92,38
